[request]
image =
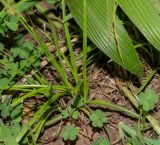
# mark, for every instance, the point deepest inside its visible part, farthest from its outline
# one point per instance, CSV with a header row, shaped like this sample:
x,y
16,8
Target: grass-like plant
x,y
99,22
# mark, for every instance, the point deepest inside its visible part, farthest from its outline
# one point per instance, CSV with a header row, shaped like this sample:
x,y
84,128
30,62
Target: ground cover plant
x,y
79,72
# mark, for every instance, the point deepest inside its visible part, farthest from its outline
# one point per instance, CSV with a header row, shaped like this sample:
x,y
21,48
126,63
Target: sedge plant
x,y
76,90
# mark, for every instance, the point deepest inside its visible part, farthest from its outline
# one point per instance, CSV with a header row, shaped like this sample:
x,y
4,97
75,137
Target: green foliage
x,y
98,118
57,3
104,28
107,32
70,112
100,141
24,51
8,111
6,135
148,141
22,55
1,47
5,110
135,141
26,5
148,27
70,132
8,22
130,131
3,82
12,24
53,1
148,99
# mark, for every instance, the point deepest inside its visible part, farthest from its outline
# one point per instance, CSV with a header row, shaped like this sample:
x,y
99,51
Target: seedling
x,y
148,99
70,132
70,112
98,118
100,141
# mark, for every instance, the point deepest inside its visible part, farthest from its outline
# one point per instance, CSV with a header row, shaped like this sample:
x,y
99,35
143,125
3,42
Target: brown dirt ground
x,y
103,86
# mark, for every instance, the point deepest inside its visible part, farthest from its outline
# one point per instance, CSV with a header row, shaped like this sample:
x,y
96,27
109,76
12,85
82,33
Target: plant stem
x,y
147,81
85,51
114,107
69,44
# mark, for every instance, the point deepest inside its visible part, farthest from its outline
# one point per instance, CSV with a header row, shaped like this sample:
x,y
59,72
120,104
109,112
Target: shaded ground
x,y
102,87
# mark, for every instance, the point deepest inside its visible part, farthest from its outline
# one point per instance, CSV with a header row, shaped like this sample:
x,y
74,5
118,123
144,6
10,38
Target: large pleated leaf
x,y
107,32
145,15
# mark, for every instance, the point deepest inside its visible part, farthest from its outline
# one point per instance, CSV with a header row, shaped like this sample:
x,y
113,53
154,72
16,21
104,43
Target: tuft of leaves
x,y
98,118
148,100
70,132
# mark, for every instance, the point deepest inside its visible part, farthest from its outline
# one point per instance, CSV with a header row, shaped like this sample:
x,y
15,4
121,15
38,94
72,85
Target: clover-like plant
x,y
148,99
98,118
70,132
70,112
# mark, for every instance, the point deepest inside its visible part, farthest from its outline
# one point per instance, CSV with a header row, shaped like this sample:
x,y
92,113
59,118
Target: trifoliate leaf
x,y
148,99
12,68
70,132
23,52
98,118
65,114
75,115
28,45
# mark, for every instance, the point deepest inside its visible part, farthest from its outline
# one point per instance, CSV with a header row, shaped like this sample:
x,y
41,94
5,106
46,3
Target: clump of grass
x,y
66,66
